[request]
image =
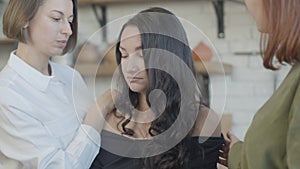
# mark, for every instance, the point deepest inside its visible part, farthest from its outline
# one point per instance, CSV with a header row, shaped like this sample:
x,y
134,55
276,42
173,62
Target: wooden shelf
x,y
6,41
218,6
211,67
90,69
124,1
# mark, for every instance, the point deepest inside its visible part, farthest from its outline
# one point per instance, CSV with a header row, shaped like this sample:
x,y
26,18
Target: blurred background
x,y
231,33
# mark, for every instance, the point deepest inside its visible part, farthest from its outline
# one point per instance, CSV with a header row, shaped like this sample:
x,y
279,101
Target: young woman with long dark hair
x,y
159,121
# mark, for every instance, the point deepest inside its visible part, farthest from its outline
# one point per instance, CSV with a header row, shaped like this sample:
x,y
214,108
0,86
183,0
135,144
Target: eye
x,y
56,19
124,56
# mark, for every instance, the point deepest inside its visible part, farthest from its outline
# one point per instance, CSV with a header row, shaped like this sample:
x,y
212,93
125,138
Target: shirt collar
x,y
28,73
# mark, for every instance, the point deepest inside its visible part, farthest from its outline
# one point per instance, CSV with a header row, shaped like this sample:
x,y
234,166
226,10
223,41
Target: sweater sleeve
x,y
235,153
293,135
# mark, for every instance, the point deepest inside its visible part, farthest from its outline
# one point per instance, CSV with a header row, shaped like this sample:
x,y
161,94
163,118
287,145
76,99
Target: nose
x,y
132,65
67,28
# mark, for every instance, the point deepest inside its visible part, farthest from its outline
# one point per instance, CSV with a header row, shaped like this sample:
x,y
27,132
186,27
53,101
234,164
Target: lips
x,y
134,79
62,43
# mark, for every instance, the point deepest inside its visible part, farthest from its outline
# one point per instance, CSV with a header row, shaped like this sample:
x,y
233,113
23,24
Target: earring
x,y
26,26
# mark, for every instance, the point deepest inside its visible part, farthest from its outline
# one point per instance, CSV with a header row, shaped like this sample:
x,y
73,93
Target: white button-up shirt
x,y
41,116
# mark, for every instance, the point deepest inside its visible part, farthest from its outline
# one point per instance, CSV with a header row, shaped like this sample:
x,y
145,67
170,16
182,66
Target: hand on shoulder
x,y
97,113
208,123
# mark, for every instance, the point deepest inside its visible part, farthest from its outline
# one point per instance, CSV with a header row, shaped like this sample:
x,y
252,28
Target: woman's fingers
x,y
223,158
223,162
233,139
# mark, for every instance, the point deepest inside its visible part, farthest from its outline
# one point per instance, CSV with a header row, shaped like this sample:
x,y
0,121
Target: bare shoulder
x,y
207,123
112,120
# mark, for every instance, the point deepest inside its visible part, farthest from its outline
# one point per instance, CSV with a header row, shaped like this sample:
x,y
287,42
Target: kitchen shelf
x,y
207,67
123,1
6,41
91,69
213,67
102,15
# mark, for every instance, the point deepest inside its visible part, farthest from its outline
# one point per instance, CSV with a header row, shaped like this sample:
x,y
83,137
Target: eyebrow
x,y
60,12
136,49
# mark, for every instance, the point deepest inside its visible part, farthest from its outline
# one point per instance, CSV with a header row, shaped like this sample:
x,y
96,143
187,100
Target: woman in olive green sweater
x,y
273,139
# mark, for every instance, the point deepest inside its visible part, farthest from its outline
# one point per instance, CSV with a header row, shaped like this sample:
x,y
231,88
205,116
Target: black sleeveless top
x,y
204,155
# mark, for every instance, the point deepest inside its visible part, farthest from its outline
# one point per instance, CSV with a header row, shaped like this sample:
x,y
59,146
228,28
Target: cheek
x,y
123,70
261,21
252,9
255,8
261,26
123,67
50,29
264,22
42,29
141,64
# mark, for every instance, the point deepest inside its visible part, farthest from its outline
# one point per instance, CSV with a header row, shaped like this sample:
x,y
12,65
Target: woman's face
x,y
257,10
132,61
50,28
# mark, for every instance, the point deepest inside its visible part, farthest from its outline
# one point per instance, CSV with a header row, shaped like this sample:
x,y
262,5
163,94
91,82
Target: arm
x,y
27,141
207,123
209,143
293,135
233,151
97,112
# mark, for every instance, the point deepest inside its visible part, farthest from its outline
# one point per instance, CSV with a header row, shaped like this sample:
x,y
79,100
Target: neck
x,y
34,58
143,114
143,105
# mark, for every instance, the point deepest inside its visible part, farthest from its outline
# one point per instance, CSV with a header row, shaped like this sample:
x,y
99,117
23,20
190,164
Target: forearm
x,y
95,116
39,149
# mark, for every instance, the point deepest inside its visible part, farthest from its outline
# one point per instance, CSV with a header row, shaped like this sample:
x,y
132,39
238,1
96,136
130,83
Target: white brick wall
x,y
249,85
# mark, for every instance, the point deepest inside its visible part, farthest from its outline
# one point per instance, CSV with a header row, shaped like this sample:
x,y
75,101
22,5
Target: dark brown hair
x,y
19,12
161,31
283,38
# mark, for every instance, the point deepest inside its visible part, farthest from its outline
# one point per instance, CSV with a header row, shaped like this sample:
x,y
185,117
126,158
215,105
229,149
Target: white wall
x,y
249,85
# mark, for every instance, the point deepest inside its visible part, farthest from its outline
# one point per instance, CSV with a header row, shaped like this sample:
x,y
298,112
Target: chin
x,y
136,89
57,51
262,28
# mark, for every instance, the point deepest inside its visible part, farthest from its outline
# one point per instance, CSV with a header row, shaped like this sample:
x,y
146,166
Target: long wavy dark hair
x,y
163,34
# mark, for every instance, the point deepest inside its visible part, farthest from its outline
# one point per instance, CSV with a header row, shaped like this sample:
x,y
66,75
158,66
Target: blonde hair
x,y
19,12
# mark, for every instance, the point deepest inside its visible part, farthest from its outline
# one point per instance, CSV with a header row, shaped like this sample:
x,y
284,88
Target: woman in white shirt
x,y
43,105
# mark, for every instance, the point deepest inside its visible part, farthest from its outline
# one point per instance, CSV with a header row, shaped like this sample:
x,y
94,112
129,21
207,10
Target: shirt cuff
x,y
85,146
91,133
